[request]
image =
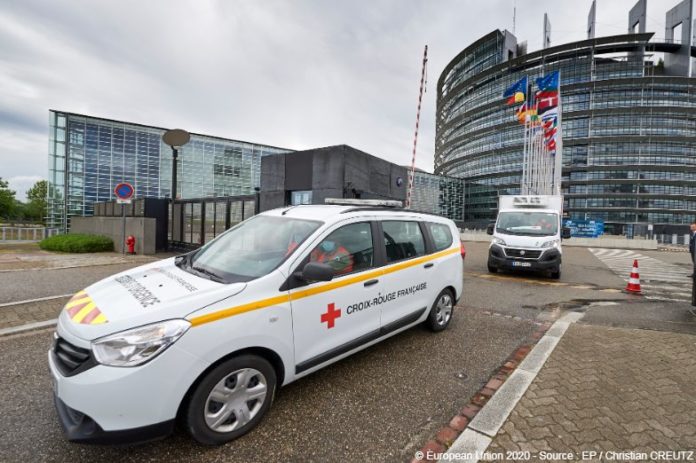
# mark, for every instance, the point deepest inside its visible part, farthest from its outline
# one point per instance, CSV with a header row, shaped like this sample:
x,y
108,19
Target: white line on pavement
x,y
38,299
27,327
488,421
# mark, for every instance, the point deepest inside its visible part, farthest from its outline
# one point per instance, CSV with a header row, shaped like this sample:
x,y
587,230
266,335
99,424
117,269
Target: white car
x,y
209,336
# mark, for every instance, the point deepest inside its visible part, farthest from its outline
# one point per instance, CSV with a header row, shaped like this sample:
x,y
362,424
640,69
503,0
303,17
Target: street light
x,y
175,138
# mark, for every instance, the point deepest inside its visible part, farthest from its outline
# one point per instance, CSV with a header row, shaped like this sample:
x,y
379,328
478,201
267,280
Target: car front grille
x,y
71,359
522,253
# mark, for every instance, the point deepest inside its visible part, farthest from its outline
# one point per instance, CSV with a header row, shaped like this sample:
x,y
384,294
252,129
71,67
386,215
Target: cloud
x,y
295,74
21,183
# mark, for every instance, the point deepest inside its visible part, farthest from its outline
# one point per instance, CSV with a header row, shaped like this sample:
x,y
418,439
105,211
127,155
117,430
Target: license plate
x,y
521,264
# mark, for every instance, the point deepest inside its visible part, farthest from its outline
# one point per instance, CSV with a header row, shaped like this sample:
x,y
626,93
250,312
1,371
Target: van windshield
x,y
250,250
528,223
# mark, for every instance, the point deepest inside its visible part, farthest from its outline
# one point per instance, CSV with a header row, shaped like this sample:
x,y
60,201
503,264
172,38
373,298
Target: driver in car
x,y
335,255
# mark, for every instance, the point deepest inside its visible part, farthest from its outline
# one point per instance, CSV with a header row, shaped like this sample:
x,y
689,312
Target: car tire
x,y
441,312
230,400
492,269
556,274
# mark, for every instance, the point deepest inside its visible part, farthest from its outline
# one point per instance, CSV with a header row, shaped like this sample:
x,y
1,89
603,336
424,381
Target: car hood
x,y
146,294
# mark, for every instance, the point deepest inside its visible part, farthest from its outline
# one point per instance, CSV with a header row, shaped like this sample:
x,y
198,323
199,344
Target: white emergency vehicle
x,y
527,234
208,337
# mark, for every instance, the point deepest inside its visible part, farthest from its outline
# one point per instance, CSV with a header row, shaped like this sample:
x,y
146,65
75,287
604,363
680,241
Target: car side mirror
x,y
565,233
317,271
489,229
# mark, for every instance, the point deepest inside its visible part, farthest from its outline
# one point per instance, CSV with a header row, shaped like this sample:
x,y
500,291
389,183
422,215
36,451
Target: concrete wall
x,y
142,228
327,172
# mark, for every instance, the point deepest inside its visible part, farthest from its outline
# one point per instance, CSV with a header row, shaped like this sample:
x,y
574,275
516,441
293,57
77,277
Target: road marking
x,y
38,299
659,280
27,327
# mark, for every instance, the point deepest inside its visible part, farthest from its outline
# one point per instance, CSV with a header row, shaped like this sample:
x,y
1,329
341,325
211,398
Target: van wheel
x,y
492,269
230,400
441,311
556,274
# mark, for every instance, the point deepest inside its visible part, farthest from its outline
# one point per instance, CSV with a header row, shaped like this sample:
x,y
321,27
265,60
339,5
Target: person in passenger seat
x,y
331,253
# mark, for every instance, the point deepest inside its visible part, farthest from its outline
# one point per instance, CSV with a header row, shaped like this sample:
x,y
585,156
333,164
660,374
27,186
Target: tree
x,y
8,203
36,208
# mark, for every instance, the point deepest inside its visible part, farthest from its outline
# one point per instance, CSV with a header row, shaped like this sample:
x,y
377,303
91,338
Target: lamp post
x,y
175,138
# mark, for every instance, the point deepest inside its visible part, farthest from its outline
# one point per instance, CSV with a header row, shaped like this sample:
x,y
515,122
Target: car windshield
x,y
528,223
250,250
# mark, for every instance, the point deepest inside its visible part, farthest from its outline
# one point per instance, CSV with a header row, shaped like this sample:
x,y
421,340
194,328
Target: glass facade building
x,y
438,194
88,156
629,127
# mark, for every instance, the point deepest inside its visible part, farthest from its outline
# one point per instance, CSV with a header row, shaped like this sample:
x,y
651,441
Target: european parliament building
x,y
629,122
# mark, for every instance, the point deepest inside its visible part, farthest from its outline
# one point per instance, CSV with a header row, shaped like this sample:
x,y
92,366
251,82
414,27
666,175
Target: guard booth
x,y
195,222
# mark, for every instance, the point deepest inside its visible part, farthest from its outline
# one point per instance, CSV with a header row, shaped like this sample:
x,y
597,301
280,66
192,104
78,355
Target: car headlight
x,y
498,241
138,345
550,244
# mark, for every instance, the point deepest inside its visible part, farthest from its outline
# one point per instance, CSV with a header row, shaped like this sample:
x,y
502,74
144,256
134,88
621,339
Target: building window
x,y
300,197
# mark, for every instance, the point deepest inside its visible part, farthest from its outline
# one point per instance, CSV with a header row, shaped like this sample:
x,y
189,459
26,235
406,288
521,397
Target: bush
x,y
77,243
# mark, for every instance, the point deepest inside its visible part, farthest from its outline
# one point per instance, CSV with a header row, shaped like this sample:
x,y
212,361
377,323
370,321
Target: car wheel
x,y
441,311
556,274
492,269
230,400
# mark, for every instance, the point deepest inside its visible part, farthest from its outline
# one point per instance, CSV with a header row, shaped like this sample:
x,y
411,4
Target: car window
x,y
252,249
348,249
402,240
442,236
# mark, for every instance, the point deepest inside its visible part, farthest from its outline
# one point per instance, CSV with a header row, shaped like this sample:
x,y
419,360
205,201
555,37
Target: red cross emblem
x,y
331,315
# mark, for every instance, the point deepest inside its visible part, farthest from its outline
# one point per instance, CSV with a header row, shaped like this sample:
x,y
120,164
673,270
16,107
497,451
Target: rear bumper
x,y
550,259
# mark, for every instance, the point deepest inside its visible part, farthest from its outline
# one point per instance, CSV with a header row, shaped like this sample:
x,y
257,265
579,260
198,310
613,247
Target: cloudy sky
x,y
297,74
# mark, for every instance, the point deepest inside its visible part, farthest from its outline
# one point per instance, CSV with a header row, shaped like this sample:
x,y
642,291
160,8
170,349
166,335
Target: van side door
x,y
407,275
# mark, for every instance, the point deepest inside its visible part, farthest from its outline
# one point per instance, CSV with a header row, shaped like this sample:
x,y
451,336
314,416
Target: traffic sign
x,y
124,192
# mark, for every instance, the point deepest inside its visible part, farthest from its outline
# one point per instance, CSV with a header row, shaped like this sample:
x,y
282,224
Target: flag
x,y
548,94
547,101
526,114
550,82
516,93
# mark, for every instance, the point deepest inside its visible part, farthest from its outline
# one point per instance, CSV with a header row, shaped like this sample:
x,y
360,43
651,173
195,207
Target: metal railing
x,y
26,233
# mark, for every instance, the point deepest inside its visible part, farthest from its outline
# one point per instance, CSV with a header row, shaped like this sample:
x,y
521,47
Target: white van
x,y
207,337
527,234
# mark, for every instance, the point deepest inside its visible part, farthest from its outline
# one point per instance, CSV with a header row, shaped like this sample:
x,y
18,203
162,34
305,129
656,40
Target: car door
x,y
407,279
332,318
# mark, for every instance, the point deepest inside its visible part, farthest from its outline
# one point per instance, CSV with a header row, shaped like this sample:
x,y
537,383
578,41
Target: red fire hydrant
x,y
130,242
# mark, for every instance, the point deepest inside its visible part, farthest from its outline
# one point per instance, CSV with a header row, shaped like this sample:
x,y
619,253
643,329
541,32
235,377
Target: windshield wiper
x,y
211,275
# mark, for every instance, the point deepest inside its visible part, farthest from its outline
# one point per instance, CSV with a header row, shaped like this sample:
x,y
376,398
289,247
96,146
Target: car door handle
x,y
428,265
371,282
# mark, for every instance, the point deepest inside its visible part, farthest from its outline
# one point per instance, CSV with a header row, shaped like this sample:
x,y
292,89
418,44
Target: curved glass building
x,y
629,127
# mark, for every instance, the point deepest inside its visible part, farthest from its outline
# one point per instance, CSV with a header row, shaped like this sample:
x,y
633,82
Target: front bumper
x,y
550,259
117,404
81,428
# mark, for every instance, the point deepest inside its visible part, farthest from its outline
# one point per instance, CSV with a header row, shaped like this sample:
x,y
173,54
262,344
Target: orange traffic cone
x,y
633,285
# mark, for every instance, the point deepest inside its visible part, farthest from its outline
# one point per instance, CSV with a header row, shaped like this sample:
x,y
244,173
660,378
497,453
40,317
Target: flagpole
x,y
525,151
558,161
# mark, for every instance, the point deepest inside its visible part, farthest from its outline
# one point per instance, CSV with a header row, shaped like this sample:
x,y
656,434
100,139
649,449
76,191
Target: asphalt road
x,y
31,284
379,405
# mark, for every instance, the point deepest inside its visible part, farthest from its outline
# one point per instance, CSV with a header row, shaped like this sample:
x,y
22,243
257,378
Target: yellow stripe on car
x,y
77,318
82,309
302,293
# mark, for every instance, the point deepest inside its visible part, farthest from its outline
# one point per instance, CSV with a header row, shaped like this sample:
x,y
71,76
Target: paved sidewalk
x,y
609,389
